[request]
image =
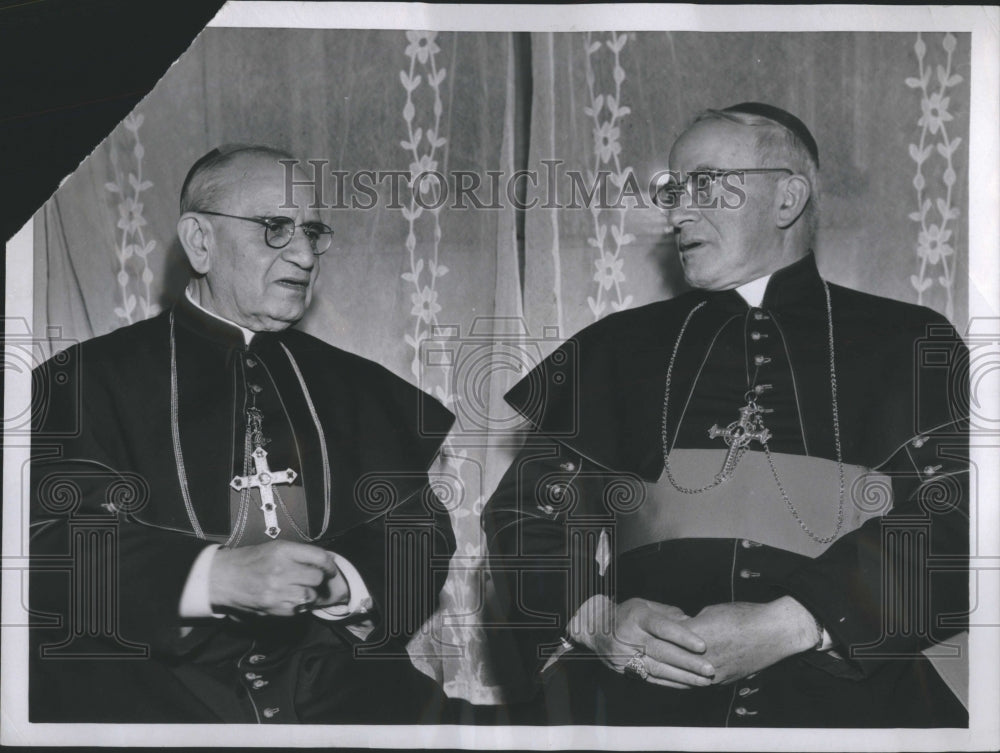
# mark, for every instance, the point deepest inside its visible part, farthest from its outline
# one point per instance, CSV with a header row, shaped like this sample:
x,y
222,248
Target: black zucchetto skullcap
x,y
782,117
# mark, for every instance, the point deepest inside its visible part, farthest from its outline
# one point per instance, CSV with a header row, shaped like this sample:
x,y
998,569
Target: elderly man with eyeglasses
x,y
747,505
267,474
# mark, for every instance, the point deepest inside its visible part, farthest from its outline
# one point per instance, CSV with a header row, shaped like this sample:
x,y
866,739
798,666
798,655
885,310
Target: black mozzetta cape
x,y
596,406
111,451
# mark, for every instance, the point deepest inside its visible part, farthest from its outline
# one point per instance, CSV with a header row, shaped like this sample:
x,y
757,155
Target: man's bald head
x,y
212,174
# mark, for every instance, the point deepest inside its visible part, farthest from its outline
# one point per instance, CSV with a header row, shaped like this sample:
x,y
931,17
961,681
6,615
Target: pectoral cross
x,y
263,480
738,435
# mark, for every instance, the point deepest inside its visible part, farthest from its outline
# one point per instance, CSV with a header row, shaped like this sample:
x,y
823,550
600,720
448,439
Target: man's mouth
x,y
293,284
689,245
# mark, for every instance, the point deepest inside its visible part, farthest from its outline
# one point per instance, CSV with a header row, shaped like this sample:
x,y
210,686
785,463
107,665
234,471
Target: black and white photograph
x,y
584,376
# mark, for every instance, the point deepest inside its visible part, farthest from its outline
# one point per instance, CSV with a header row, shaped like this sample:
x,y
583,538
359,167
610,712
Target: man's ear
x,y
792,200
197,238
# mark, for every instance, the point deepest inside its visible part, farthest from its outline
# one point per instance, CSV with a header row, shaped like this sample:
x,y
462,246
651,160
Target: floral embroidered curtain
x,y
462,298
889,112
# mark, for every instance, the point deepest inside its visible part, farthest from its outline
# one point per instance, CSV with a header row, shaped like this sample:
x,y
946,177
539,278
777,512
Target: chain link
x,y
254,433
721,476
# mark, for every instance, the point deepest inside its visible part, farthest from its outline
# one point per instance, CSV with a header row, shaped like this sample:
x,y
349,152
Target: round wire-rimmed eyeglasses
x,y
279,231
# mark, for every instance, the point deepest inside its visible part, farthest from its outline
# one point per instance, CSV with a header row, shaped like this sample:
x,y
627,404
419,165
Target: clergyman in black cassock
x,y
747,505
190,436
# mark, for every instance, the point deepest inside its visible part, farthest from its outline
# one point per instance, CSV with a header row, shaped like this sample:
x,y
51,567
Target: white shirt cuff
x,y
195,601
360,598
827,642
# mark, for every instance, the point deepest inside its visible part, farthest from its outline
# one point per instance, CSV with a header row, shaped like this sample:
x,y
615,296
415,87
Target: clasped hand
x,y
673,653
721,644
278,578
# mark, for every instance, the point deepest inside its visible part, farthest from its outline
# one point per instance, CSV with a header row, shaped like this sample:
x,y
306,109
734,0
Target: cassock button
x,y
258,684
743,711
270,713
256,658
758,335
919,442
744,692
930,470
747,574
256,389
761,360
251,362
747,543
760,316
251,675
568,466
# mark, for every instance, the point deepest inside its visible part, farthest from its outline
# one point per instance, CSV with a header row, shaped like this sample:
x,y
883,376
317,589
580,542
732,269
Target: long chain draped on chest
x,y
256,471
750,427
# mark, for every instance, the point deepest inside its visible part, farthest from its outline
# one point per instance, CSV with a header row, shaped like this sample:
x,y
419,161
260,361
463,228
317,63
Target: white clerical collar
x,y
247,333
753,291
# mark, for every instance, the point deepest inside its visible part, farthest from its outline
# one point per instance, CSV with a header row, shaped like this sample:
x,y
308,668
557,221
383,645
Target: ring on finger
x,y
305,602
635,667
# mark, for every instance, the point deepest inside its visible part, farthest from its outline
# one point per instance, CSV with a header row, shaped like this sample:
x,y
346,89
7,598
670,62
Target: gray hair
x,y
205,183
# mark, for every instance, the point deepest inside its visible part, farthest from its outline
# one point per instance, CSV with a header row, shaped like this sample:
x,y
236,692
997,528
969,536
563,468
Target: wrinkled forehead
x,y
714,143
261,184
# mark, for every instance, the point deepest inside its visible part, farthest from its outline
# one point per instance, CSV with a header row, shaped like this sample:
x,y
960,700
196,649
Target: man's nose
x,y
683,213
299,250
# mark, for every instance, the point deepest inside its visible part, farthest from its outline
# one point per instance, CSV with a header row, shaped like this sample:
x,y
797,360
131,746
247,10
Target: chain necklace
x,y
750,419
253,432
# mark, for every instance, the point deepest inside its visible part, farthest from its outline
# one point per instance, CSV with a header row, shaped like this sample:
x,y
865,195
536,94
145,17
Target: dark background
x,y
72,69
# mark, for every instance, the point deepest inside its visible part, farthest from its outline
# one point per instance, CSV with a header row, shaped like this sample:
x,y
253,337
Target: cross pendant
x,y
262,480
738,436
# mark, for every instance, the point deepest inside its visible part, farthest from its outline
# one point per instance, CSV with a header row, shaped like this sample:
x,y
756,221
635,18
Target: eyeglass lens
x,y
280,230
668,194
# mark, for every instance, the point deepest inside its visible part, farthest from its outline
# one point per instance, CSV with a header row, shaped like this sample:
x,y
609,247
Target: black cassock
x,y
138,438
587,507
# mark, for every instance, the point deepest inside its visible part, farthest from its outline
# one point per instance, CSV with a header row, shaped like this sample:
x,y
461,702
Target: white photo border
x,y
984,314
